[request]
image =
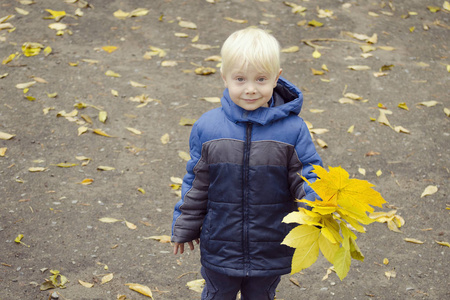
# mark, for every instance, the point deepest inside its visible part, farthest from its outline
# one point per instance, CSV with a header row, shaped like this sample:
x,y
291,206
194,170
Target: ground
x,y
59,216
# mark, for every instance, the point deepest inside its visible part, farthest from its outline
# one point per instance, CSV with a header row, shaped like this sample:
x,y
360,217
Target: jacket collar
x,y
287,99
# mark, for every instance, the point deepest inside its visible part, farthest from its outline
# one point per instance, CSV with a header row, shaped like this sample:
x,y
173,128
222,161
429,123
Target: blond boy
x,y
243,176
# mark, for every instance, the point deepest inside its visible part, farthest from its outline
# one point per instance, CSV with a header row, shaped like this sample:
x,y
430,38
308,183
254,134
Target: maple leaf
x,y
324,227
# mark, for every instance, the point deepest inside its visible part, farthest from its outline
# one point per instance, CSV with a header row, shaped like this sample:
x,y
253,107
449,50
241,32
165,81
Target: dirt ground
x,y
59,217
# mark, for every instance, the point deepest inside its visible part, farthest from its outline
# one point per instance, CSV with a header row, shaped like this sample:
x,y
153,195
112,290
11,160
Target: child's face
x,y
250,88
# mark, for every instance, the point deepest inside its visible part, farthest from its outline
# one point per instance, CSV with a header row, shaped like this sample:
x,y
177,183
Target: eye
x,y
240,79
261,79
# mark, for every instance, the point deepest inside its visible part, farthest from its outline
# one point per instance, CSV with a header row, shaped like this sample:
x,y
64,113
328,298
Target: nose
x,y
250,88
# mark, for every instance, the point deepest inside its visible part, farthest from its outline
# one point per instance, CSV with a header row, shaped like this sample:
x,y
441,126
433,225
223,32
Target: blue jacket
x,y
242,179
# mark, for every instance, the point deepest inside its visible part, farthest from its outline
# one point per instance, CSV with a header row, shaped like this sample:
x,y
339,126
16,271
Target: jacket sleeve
x,y
302,161
190,211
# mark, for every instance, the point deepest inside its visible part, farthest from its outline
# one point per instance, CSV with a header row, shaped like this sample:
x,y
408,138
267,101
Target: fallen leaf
x,y
130,225
160,238
82,129
57,26
321,143
137,84
351,129
211,99
403,105
3,151
105,168
447,111
186,24
428,103
120,14
36,169
443,243
315,23
187,122
352,96
85,284
401,129
316,54
111,73
107,278
317,72
25,85
429,190
109,49
102,133
390,274
386,261
115,93
414,241
382,119
176,180
142,289
205,71
291,49
379,173
181,35
87,181
169,63
184,155
108,220
165,139
316,111
362,171
66,165
102,116
139,12
141,190
236,20
133,130
6,136
196,285
358,68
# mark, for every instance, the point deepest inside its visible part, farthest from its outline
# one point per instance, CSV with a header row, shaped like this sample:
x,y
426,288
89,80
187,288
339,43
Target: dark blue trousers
x,y
222,287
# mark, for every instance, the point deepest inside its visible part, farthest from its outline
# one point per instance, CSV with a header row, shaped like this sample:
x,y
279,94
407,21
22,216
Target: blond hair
x,y
251,46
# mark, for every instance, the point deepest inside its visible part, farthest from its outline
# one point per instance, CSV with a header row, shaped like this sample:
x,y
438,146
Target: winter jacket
x,y
242,180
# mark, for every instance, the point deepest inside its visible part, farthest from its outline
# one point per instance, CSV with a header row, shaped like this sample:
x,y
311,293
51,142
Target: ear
x,y
224,80
276,79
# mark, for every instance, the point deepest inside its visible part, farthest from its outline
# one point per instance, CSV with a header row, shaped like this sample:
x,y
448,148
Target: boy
x,y
244,174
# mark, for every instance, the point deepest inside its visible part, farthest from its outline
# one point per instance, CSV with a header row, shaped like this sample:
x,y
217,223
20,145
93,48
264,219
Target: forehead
x,y
247,69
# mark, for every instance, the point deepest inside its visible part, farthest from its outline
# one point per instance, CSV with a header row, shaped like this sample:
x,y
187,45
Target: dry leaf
x,y
108,220
400,129
25,85
383,119
165,139
414,241
205,71
236,20
130,225
105,168
142,289
137,84
362,171
133,130
351,129
56,15
352,96
184,155
102,116
111,73
358,68
109,49
316,54
291,49
379,173
429,103
186,24
176,180
390,274
102,133
429,190
107,278
169,63
141,190
443,243
3,151
37,169
6,136
196,285
447,111
321,143
82,130
386,261
87,181
315,23
85,284
211,99
187,122
403,105
160,238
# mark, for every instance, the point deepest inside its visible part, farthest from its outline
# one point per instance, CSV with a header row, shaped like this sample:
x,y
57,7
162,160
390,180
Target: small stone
x,y
55,295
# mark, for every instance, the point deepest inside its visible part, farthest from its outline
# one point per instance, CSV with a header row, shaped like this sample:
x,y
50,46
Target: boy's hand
x,y
181,246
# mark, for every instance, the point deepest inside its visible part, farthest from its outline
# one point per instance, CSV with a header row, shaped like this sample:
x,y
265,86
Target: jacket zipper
x,y
245,204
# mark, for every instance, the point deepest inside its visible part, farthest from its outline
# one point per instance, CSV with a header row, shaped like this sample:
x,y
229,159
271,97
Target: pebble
x,y
323,289
55,295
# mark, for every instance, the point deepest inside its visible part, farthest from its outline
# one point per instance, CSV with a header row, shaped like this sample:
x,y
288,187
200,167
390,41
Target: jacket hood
x,y
287,99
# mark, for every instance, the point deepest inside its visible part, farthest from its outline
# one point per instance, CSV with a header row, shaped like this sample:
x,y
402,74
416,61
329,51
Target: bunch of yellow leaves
x,y
326,227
